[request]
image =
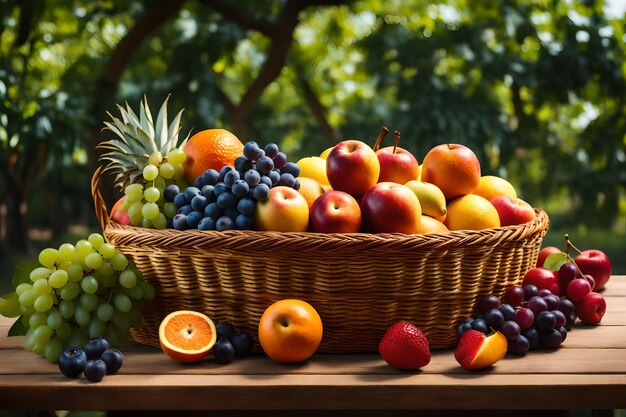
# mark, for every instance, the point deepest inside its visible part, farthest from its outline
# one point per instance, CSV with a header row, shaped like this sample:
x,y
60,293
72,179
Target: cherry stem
x,y
569,245
395,145
379,139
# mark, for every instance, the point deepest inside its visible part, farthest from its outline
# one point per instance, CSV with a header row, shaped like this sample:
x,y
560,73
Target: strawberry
x,y
404,346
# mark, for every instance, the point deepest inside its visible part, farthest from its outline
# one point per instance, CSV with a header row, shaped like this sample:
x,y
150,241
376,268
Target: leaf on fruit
x,y
10,305
555,261
18,328
22,271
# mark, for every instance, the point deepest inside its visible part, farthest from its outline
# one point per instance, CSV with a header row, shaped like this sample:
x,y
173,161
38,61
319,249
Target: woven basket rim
x,y
173,238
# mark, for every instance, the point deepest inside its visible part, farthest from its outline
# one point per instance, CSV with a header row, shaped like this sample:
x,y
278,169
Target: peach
x,y
453,168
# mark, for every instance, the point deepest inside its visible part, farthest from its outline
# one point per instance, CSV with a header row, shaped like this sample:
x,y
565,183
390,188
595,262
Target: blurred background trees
x,y
536,88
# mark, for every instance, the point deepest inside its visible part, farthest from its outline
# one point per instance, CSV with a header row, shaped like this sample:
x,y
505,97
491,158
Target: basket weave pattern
x,y
359,283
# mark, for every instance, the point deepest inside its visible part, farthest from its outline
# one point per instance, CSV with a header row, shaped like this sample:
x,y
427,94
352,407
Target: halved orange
x,y
187,336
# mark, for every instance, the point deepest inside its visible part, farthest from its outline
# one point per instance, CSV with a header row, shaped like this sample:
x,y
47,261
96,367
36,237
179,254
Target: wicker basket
x,y
359,283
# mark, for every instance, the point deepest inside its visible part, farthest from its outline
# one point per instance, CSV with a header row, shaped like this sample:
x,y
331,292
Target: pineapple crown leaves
x,y
137,138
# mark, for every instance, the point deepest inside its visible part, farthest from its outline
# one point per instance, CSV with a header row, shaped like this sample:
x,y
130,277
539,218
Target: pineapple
x,y
141,143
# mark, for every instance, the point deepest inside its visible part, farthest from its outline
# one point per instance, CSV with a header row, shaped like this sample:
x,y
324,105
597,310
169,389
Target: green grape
x,y
121,320
43,303
105,312
74,273
122,303
135,293
40,273
28,340
53,350
150,211
78,338
106,250
155,158
42,334
151,194
109,282
150,172
178,172
28,298
167,170
134,189
64,331
42,287
22,287
160,222
146,224
83,249
55,319
94,260
82,316
176,156
70,291
125,204
58,278
96,240
129,200
128,279
66,252
10,305
89,284
119,261
89,302
97,328
64,265
111,336
37,319
170,210
106,270
27,310
160,184
147,290
67,309
48,257
134,212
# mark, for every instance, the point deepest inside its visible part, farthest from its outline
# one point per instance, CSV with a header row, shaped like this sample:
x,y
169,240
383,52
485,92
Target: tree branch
x,y
241,17
319,112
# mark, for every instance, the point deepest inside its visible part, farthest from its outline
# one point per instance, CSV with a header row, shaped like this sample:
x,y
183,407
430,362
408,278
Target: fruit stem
x,y
395,145
379,139
569,244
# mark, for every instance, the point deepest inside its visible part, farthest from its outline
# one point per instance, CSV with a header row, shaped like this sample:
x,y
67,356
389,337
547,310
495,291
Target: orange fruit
x,y
491,186
431,225
471,212
187,336
211,148
290,331
310,189
452,167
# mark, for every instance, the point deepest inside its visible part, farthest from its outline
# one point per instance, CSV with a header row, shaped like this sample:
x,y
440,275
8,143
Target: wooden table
x,y
587,372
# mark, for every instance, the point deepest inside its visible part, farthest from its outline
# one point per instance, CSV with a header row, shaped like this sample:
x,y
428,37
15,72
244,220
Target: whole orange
x,y
453,168
471,212
290,331
211,148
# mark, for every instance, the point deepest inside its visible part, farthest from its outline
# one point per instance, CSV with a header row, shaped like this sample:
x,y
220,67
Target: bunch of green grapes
x,y
144,200
79,292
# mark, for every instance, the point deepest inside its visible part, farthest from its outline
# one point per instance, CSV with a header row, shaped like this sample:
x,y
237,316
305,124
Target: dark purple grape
x,y
591,280
510,330
553,301
530,291
287,179
265,165
227,200
544,293
243,222
551,339
240,188
513,295
207,223
560,318
242,164
230,178
537,304
567,272
518,346
290,168
213,210
563,332
180,222
210,177
525,318
225,170
480,325
224,223
463,327
508,311
533,338
170,192
271,150
567,306
545,321
488,302
296,185
252,151
274,176
261,192
252,177
199,202
246,206
570,320
494,318
193,219
280,160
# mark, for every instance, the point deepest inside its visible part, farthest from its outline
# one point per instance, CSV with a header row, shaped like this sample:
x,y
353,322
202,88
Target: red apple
x,y
453,168
513,210
285,210
335,212
119,216
545,252
541,277
591,309
396,164
388,207
595,263
353,167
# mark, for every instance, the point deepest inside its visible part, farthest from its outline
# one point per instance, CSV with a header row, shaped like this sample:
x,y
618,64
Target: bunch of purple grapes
x,y
528,317
226,200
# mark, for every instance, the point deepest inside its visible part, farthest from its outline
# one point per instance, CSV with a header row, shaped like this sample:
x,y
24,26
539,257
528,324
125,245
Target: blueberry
x,y
246,206
180,222
231,177
252,177
274,176
271,150
252,151
240,188
261,192
225,170
296,185
242,164
199,202
95,347
190,193
242,342
225,330
186,209
180,200
72,361
224,351
213,210
207,192
210,177
95,370
227,200
243,222
193,219
219,189
224,223
265,165
291,168
170,193
198,182
266,180
208,223
113,359
463,327
287,179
